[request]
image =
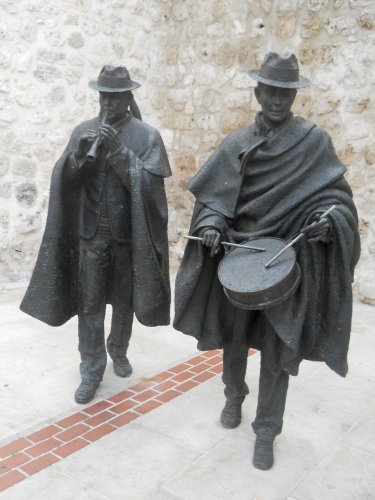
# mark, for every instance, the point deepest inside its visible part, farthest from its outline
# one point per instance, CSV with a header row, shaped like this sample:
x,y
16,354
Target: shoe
x,y
231,415
122,367
263,454
86,391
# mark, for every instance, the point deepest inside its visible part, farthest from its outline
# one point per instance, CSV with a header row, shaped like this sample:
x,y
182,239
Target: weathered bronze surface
x,y
105,240
270,180
249,284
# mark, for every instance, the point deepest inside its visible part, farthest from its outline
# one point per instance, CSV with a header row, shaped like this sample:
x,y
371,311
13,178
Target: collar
x,y
262,129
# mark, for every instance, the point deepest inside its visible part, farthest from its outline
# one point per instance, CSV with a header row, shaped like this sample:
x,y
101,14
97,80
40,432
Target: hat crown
x,y
275,60
278,67
114,79
280,71
115,72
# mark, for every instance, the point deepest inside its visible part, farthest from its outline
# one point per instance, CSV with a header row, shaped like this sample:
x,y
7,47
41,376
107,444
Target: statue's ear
x,y
256,92
135,109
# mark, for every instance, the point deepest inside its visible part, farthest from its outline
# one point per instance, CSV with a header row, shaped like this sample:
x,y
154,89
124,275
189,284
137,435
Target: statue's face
x,y
275,102
114,105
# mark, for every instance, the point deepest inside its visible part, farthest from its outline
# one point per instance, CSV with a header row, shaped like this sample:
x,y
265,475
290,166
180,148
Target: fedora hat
x,y
280,71
113,79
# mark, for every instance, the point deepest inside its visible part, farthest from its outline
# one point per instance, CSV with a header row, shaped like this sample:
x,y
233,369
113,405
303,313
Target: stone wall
x,y
191,57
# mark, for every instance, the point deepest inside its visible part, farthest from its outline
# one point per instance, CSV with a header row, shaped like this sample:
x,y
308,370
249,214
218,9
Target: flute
x,y
93,152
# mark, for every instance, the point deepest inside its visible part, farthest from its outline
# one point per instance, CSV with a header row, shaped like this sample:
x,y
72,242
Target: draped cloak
x,y
53,290
255,186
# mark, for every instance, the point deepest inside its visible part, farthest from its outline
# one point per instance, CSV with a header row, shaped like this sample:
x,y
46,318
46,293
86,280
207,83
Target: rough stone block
x,y
38,117
73,75
76,40
285,28
266,5
5,57
5,190
4,165
225,54
24,251
4,85
186,166
6,31
28,31
24,58
237,99
315,5
229,121
7,116
181,10
366,287
289,5
328,105
24,167
50,56
25,223
46,73
4,220
367,21
44,153
26,194
369,153
311,27
216,30
27,95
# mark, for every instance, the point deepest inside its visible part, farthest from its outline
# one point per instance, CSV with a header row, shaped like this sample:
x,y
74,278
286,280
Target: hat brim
x,y
301,83
132,86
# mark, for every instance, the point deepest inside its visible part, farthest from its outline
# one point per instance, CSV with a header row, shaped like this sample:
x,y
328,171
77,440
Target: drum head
x,y
249,284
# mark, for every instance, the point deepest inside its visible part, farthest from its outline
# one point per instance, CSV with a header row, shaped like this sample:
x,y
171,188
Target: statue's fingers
x,y
215,245
205,239
111,130
88,134
314,238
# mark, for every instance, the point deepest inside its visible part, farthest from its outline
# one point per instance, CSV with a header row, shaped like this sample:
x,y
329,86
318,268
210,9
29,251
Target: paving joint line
x,y
186,375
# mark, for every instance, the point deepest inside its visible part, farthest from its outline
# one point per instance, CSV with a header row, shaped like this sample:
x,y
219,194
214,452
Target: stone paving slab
x,y
177,450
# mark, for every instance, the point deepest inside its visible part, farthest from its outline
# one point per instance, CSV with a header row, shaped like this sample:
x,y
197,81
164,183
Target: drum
x,y
248,284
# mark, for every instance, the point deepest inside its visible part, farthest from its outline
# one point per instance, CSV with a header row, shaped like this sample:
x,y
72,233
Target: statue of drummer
x,y
273,178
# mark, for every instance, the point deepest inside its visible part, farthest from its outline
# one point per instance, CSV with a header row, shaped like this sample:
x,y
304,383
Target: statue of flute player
x,y
106,233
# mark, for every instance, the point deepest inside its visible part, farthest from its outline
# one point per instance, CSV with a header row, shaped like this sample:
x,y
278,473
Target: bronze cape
x,y
52,293
257,186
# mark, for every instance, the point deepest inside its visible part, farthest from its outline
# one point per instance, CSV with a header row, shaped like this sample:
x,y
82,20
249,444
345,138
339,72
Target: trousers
x,y
105,270
273,380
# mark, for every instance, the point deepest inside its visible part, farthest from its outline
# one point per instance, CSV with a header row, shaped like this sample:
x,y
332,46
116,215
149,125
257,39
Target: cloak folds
x,y
52,293
250,188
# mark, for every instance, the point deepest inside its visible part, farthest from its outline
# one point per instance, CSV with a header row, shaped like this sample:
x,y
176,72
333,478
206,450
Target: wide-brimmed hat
x,y
280,71
113,79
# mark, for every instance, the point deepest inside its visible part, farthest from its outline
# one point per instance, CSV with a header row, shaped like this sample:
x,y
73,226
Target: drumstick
x,y
291,243
187,236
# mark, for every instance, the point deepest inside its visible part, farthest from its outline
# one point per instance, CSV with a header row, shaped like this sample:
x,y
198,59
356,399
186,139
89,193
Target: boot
x,y
263,454
231,415
122,367
86,391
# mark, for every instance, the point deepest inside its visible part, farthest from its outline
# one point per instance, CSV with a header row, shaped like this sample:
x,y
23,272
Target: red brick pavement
x,y
30,454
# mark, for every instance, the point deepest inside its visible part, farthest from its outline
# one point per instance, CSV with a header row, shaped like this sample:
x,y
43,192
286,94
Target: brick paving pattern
x,y
30,454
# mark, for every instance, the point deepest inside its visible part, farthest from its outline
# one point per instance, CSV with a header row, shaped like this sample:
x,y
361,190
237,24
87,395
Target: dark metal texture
x,y
248,284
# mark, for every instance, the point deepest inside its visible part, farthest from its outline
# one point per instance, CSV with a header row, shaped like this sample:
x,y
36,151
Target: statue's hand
x,y
318,231
110,137
84,143
212,239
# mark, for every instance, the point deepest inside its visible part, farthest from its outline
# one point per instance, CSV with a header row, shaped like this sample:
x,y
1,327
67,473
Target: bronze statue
x,y
271,179
106,235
